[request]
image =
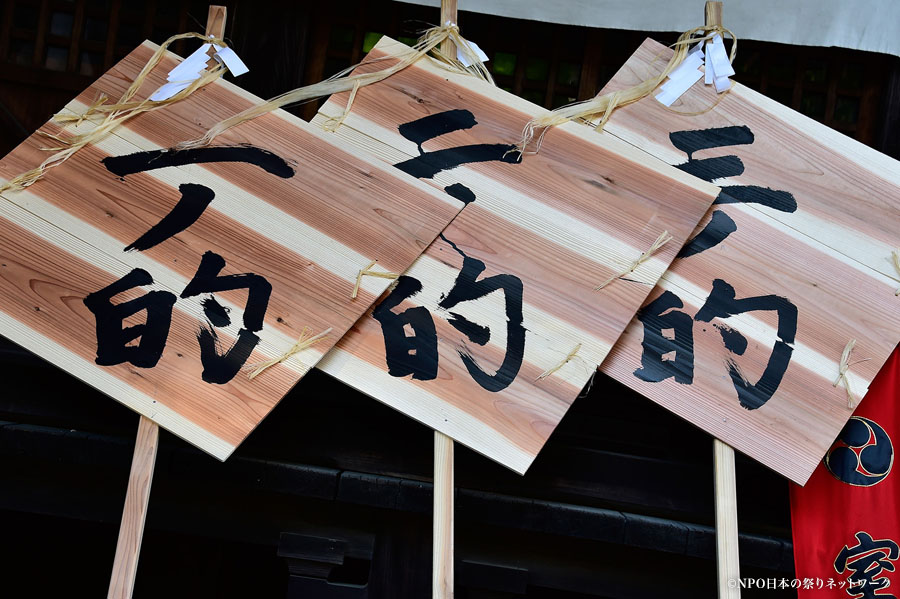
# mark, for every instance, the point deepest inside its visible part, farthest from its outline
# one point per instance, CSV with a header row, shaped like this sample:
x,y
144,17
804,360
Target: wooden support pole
x,y
215,21
442,543
442,574
131,531
727,559
137,497
448,13
713,13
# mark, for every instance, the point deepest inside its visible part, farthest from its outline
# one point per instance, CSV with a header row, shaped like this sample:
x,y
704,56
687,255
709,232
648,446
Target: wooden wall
x,y
51,48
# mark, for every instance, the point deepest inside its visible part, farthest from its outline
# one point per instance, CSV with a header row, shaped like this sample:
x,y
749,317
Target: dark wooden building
x,y
331,496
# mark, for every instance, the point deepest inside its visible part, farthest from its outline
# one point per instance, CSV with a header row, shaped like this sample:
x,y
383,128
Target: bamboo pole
x,y
140,479
442,543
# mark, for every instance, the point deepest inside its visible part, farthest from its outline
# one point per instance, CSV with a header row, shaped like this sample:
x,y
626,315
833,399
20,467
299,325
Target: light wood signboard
x,y
744,334
155,276
507,291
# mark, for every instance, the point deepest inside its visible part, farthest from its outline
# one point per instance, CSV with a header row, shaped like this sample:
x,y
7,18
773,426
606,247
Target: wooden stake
x,y
137,497
442,544
442,574
131,531
729,565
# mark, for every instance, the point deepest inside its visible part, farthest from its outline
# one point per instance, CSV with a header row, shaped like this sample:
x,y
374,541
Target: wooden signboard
x,y
155,276
507,293
745,333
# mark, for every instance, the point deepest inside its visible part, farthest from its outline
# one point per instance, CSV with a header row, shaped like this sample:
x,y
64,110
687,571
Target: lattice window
x,y
86,37
548,64
841,88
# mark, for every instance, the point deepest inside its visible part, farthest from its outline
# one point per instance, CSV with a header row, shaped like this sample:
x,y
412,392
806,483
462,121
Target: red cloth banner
x,y
846,520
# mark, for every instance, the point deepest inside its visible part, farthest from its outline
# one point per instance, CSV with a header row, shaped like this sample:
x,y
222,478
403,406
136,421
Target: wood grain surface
x,y
550,229
306,214
814,218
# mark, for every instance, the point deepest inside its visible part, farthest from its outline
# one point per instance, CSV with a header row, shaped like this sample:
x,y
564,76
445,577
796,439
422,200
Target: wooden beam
x,y
109,52
889,142
442,574
75,39
589,82
131,531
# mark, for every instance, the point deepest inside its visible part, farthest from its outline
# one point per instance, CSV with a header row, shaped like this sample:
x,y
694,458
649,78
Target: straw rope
x,y
604,105
371,273
662,240
303,342
344,81
332,124
562,363
116,114
844,367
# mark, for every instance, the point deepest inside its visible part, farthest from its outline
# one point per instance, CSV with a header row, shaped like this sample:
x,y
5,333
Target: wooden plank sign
x,y
155,276
507,293
745,333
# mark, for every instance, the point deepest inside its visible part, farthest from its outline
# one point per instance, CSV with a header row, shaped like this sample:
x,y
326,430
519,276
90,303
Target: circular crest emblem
x,y
863,454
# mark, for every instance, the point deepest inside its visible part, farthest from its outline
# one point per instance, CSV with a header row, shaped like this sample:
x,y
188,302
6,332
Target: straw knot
x,y
93,108
302,343
662,240
562,363
367,272
843,367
